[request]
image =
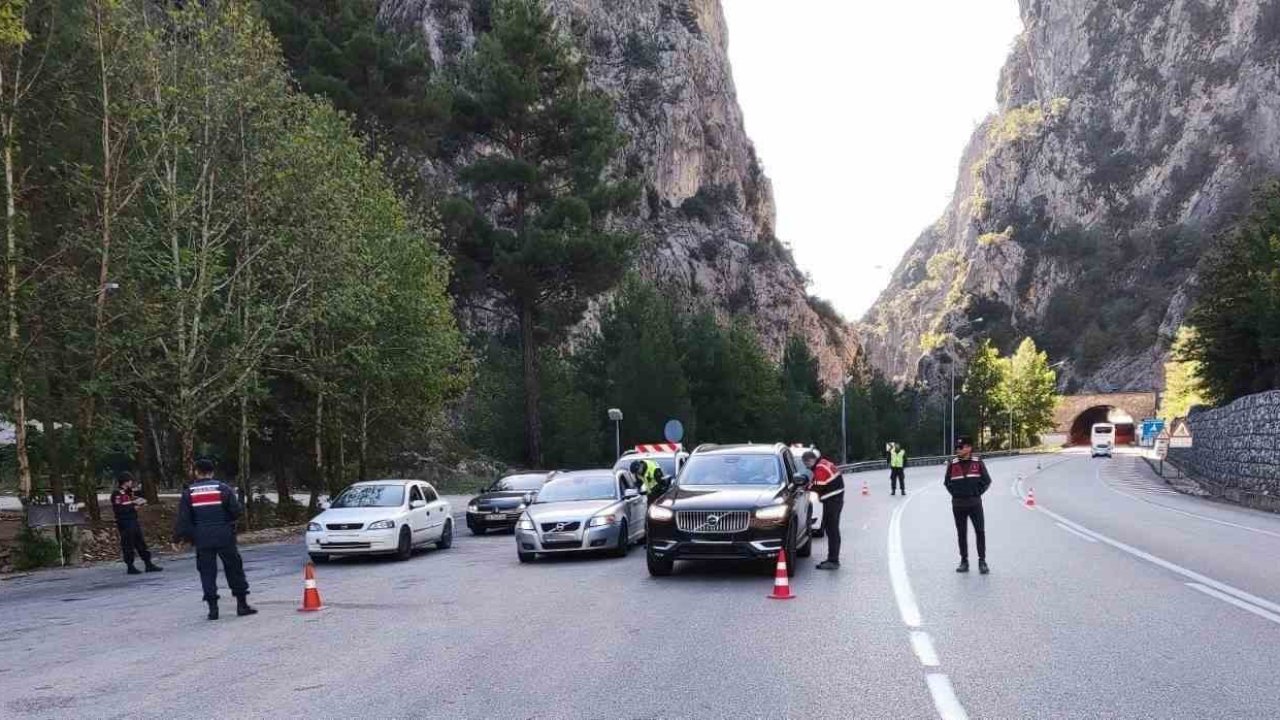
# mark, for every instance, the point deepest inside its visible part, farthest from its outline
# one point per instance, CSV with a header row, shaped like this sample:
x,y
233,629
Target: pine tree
x,y
1183,387
981,386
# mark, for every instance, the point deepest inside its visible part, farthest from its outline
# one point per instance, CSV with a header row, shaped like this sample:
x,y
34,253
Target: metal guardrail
x,y
866,465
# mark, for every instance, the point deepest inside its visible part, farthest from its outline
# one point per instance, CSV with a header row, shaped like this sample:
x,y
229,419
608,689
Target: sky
x,y
859,112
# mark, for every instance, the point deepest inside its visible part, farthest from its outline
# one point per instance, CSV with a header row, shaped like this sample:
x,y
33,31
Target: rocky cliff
x,y
1128,134
708,208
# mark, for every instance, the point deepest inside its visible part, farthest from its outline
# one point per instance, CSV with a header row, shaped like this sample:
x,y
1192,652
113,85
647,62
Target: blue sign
x,y
1151,427
674,431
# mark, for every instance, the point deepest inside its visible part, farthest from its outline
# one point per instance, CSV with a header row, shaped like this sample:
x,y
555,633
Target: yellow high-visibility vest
x,y
897,458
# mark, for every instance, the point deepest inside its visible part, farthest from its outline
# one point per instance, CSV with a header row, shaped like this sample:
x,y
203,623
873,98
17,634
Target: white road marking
x,y
1078,534
1173,567
922,644
898,568
1206,518
1238,603
944,698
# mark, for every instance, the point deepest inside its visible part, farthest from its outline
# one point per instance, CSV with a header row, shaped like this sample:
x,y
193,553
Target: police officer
x,y
828,482
207,517
652,482
125,506
897,468
967,479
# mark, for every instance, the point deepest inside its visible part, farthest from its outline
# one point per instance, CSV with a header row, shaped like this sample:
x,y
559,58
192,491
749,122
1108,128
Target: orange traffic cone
x,y
865,490
1031,497
310,595
781,583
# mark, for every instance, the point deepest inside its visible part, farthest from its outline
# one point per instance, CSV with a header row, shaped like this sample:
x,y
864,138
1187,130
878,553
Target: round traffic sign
x,y
673,431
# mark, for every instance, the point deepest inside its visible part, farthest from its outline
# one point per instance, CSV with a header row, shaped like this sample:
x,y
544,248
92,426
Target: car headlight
x,y
773,512
657,512
600,520
525,523
522,506
313,527
382,525
473,508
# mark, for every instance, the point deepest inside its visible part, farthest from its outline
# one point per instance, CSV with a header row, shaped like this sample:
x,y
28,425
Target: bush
x,y
641,52
709,202
34,550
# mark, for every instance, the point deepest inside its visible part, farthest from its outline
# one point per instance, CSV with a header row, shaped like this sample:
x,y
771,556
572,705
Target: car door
x,y
799,497
437,512
635,506
418,520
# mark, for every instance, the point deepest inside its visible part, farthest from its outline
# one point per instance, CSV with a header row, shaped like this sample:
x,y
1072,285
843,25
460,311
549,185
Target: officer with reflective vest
x,y
967,479
828,483
652,482
125,506
897,469
207,517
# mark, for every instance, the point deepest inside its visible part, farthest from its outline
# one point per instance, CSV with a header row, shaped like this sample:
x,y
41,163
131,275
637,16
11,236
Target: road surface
x,y
1114,598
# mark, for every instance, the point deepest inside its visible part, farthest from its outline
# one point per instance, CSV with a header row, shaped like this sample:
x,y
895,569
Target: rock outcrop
x,y
1128,134
708,207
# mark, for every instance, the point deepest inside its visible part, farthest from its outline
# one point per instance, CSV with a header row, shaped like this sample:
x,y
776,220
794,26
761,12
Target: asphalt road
x,y
1115,598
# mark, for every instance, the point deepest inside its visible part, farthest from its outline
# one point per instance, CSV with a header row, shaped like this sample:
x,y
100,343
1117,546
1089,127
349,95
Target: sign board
x,y
673,431
59,515
659,447
1162,444
1148,431
1181,435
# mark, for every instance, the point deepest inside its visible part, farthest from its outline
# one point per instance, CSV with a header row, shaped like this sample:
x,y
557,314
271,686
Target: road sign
x,y
1162,444
1181,435
1150,428
673,431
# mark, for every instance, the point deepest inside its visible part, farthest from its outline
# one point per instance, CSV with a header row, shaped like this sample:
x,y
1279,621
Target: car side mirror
x,y
415,504
799,480
481,490
630,493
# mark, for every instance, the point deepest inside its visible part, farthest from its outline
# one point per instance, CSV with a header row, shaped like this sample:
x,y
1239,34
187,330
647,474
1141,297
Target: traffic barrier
x,y
865,489
1031,498
310,595
781,583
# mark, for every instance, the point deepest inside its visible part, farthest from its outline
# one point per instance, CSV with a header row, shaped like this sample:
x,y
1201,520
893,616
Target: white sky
x,y
859,111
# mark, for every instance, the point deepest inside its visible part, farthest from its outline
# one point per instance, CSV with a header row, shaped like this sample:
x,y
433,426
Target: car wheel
x,y
791,553
446,536
805,550
319,558
526,557
624,541
476,530
405,549
659,567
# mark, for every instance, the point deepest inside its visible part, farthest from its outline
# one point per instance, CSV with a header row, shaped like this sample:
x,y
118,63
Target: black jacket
x,y
966,478
207,515
122,505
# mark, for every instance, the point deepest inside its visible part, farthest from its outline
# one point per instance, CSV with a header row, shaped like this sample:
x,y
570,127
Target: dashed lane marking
x,y
1078,534
944,698
922,644
898,577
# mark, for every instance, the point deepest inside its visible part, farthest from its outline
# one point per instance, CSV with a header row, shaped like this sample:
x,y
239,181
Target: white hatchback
x,y
381,517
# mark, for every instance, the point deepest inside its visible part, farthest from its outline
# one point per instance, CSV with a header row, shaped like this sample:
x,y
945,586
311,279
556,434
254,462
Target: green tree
x,y
981,387
1029,390
1183,387
531,228
1237,315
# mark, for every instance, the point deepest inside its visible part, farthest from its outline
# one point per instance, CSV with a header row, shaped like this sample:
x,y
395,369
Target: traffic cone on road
x,y
865,490
1031,498
310,595
781,583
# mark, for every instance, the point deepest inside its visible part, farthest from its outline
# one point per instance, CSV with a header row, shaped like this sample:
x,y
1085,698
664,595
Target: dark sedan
x,y
735,502
500,505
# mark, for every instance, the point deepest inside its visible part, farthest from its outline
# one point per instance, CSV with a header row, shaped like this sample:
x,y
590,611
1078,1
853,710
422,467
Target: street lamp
x,y
616,416
844,429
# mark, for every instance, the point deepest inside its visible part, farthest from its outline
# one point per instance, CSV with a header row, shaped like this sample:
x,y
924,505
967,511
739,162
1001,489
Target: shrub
x,y
825,310
34,550
710,200
993,238
641,52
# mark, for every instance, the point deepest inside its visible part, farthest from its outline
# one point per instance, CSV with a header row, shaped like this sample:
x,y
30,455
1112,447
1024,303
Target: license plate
x,y
495,517
559,537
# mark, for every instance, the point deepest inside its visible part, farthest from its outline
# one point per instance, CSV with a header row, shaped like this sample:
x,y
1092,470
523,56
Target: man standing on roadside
x,y
967,479
828,482
125,506
897,468
207,518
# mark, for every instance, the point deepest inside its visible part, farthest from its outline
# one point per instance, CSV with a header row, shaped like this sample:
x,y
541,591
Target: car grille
x,y
561,544
345,545
712,522
568,527
345,526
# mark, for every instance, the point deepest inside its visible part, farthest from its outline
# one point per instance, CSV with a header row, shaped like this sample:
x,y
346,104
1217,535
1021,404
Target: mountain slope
x,y
1128,133
707,209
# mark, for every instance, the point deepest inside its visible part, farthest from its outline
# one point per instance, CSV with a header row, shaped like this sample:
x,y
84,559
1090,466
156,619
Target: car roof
x,y
744,449
388,481
603,472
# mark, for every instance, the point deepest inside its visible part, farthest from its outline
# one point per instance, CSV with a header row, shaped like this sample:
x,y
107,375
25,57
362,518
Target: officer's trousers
x,y
968,510
131,541
232,565
831,525
897,479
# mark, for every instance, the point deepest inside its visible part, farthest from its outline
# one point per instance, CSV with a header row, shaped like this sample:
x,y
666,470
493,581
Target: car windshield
x,y
731,470
579,487
359,496
531,481
666,462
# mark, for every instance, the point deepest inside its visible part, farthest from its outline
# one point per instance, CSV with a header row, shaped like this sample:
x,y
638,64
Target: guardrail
x,y
866,465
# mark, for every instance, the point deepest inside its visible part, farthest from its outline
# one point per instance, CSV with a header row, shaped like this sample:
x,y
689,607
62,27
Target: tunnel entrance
x,y
1083,424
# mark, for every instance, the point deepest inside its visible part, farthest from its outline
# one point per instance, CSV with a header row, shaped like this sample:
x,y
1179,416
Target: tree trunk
x,y
279,451
364,434
19,399
532,388
52,439
162,466
317,469
187,440
244,459
143,460
86,478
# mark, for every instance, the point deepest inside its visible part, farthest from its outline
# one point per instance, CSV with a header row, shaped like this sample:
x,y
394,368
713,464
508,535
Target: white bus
x,y
1102,439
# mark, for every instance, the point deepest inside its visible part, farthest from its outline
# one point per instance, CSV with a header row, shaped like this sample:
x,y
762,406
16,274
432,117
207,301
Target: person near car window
x,y
207,518
897,468
828,483
652,481
967,479
125,506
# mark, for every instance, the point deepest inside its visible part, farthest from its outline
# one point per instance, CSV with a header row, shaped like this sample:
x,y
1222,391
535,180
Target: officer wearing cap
x,y
652,481
967,479
125,507
207,518
828,483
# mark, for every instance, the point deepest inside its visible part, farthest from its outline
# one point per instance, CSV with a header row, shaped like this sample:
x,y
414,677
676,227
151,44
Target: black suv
x,y
500,505
731,502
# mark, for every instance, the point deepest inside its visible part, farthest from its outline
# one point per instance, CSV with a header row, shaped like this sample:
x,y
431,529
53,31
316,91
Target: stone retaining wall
x,y
1236,451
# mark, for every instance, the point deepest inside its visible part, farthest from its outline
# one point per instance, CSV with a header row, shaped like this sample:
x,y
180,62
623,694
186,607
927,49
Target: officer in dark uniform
x,y
207,518
828,483
125,506
967,479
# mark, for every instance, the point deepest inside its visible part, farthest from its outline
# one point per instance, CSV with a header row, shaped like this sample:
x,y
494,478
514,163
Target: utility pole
x,y
844,426
616,416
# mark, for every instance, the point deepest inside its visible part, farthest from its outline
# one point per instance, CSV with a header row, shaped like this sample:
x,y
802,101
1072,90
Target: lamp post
x,y
616,416
844,427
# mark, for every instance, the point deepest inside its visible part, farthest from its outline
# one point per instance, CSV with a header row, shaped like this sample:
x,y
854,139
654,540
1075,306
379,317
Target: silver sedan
x,y
582,511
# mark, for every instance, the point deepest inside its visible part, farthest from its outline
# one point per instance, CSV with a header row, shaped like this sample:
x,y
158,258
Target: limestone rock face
x,y
707,211
1128,135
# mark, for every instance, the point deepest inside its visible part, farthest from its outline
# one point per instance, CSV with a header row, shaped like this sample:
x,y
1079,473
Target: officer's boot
x,y
982,566
133,570
964,566
152,567
213,609
243,608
